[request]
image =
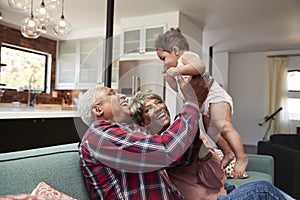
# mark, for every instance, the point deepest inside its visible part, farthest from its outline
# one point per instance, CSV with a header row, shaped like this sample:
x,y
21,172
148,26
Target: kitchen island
x,y
27,128
27,113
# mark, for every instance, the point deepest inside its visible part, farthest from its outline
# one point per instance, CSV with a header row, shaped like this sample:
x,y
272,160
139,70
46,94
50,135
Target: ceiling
x,y
228,25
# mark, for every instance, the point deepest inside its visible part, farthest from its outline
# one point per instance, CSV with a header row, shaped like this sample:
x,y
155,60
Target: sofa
x,y
58,166
285,149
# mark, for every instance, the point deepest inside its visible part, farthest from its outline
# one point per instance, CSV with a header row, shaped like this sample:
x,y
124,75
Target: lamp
x,y
52,4
31,27
1,17
62,27
19,5
44,15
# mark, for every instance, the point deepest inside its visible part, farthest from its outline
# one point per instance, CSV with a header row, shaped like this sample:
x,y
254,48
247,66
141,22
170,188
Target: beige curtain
x,y
278,68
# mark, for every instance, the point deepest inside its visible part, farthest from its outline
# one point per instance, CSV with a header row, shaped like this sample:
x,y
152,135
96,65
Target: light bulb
x,y
62,23
42,11
31,23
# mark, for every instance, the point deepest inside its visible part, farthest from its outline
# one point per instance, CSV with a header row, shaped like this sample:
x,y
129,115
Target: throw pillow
x,y
26,197
230,167
19,197
48,191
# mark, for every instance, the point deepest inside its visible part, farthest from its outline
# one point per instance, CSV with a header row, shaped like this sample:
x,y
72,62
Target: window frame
x,y
48,64
293,94
294,70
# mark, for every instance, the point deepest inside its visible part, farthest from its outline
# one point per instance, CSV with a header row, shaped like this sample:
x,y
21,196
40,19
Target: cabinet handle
x,y
133,85
42,120
34,121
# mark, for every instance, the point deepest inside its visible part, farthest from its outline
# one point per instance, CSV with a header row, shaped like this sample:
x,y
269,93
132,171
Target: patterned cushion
x,y
230,167
47,191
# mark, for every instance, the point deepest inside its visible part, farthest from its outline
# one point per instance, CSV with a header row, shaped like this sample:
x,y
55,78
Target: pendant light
x,y
31,27
62,27
44,15
19,5
52,4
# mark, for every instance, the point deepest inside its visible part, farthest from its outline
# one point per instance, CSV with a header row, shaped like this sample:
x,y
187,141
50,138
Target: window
x,y
293,84
25,68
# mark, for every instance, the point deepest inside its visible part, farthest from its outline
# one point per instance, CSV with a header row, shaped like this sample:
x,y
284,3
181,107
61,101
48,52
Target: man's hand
x,y
195,89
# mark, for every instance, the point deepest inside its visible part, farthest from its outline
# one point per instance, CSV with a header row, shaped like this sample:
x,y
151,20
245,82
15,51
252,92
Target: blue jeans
x,y
258,190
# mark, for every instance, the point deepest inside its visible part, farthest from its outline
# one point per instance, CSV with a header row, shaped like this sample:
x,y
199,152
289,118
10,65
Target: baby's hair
x,y
171,38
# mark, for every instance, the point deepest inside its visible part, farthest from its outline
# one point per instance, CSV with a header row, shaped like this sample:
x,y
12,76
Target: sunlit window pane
x,y
294,108
24,68
293,81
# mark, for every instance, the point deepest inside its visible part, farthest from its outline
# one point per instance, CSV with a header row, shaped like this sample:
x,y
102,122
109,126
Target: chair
x,y
285,149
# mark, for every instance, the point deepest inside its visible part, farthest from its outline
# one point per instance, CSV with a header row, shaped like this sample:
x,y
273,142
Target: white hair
x,y
86,101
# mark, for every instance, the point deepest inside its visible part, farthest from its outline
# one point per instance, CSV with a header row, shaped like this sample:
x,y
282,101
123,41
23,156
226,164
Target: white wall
x,y
248,85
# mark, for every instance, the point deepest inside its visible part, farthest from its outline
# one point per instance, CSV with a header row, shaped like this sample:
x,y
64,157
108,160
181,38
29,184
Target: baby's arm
x,y
192,65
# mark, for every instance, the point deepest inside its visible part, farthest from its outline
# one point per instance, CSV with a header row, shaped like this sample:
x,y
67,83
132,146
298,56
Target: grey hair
x,y
86,101
136,104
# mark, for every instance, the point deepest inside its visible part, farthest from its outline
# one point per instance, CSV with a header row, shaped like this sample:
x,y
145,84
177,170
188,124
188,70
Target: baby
x,y
173,49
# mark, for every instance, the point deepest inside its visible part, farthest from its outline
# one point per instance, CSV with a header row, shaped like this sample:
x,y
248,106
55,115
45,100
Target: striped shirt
x,y
121,163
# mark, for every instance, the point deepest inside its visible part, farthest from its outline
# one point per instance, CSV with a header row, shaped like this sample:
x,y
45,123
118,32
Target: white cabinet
x,y
139,41
79,63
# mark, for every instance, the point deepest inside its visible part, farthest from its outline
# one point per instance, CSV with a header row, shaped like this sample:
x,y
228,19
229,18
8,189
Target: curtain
x,y
278,68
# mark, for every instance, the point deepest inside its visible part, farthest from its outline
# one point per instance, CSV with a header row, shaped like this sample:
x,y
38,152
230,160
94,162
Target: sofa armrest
x,y
287,164
261,163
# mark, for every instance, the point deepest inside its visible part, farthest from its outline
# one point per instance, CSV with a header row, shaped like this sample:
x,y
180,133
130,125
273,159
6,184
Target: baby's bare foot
x,y
240,167
228,157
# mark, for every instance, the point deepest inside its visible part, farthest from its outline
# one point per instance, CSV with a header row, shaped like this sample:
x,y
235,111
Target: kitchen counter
x,y
27,113
40,126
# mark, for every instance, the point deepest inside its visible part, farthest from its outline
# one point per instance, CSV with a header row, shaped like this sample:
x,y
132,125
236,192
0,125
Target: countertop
x,y
31,112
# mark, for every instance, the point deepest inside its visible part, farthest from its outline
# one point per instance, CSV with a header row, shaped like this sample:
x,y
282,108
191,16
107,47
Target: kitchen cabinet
x,y
139,41
21,134
79,64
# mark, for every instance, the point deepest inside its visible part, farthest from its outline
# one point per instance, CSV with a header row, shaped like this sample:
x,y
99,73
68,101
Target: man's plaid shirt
x,y
121,163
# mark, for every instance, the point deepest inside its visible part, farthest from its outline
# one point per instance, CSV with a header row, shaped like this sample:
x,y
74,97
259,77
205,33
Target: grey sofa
x,y
58,166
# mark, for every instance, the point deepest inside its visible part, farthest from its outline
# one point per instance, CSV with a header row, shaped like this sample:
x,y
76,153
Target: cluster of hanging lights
x,y
39,21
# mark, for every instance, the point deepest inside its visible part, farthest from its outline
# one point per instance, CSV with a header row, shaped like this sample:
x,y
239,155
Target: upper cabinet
x,y
139,41
79,64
